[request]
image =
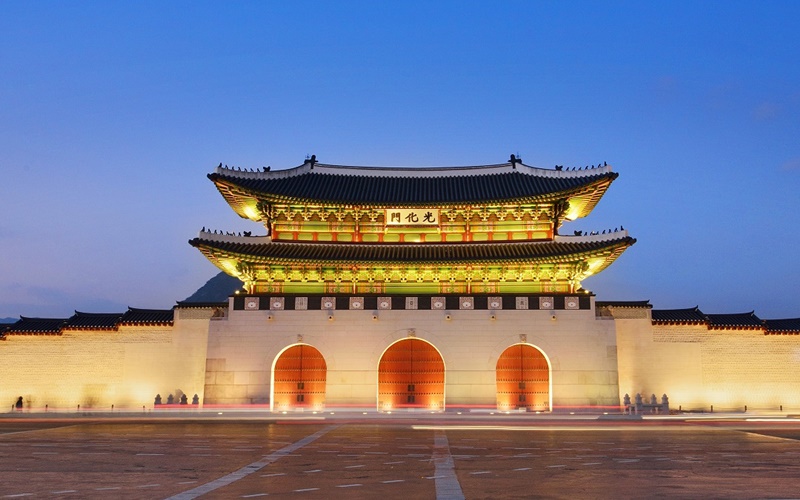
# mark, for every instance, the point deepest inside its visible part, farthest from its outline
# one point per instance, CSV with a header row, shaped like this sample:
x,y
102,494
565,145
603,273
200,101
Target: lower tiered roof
x,y
496,266
563,248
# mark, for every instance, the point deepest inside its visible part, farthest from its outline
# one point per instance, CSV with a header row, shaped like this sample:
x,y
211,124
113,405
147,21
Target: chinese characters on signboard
x,y
412,217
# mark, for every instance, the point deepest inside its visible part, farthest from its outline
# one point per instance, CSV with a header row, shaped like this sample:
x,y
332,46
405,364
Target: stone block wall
x,y
96,369
244,346
697,367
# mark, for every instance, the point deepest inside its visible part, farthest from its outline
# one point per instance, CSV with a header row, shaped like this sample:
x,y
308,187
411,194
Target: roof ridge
x,y
248,240
81,313
139,309
400,172
695,308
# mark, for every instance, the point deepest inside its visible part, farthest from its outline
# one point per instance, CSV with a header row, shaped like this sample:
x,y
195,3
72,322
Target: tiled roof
x,y
184,304
778,326
93,321
147,316
408,186
46,326
624,303
740,320
90,321
428,253
682,316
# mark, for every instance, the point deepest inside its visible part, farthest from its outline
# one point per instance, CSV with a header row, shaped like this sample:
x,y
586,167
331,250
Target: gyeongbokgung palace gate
x,y
414,288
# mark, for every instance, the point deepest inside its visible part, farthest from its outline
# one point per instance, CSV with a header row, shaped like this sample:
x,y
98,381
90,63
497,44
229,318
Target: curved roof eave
x,y
320,253
342,190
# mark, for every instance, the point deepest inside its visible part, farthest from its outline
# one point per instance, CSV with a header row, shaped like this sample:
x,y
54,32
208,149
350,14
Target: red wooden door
x,y
411,375
300,376
523,379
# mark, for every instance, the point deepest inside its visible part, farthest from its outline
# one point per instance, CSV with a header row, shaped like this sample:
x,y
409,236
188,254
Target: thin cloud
x,y
792,165
766,111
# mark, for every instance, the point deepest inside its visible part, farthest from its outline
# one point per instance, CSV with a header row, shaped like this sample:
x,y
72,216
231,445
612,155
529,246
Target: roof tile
x,y
93,321
738,320
690,315
147,316
778,326
414,188
48,326
428,253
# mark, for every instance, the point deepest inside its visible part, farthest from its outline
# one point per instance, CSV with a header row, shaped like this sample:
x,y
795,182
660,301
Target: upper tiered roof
x,y
506,183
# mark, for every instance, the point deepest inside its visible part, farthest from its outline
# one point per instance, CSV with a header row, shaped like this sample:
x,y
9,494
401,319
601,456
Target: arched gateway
x,y
411,375
523,379
298,378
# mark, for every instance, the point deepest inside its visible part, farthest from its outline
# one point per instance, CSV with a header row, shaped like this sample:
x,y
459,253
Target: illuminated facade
x,y
408,289
351,230
419,267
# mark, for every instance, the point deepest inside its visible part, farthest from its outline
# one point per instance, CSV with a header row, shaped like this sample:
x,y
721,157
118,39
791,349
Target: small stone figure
x,y
184,399
158,399
653,400
626,400
195,400
18,406
170,399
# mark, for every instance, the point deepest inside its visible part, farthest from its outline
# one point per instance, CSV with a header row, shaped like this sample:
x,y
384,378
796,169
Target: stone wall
x,y
697,367
243,347
97,369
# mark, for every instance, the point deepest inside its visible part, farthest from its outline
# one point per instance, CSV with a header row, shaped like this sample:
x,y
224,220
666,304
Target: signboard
x,y
411,217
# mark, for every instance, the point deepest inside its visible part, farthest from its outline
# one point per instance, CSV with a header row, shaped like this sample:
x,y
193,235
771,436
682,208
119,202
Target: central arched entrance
x,y
298,378
523,379
411,375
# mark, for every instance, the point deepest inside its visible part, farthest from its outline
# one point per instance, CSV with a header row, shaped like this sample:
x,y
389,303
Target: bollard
x,y
781,407
712,408
143,411
112,407
745,408
79,407
45,408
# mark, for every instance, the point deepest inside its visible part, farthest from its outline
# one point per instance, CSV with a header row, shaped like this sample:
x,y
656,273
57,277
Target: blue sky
x,y
112,114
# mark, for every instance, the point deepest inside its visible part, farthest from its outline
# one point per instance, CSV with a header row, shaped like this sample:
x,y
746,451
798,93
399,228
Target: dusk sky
x,y
112,114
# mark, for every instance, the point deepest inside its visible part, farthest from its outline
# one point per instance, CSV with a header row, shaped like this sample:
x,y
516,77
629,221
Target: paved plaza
x,y
384,457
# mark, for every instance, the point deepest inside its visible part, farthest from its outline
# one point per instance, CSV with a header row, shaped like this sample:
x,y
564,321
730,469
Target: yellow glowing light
x,y
251,213
230,267
573,212
594,264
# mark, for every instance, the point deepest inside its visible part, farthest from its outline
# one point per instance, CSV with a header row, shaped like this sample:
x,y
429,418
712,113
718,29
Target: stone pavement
x,y
423,457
